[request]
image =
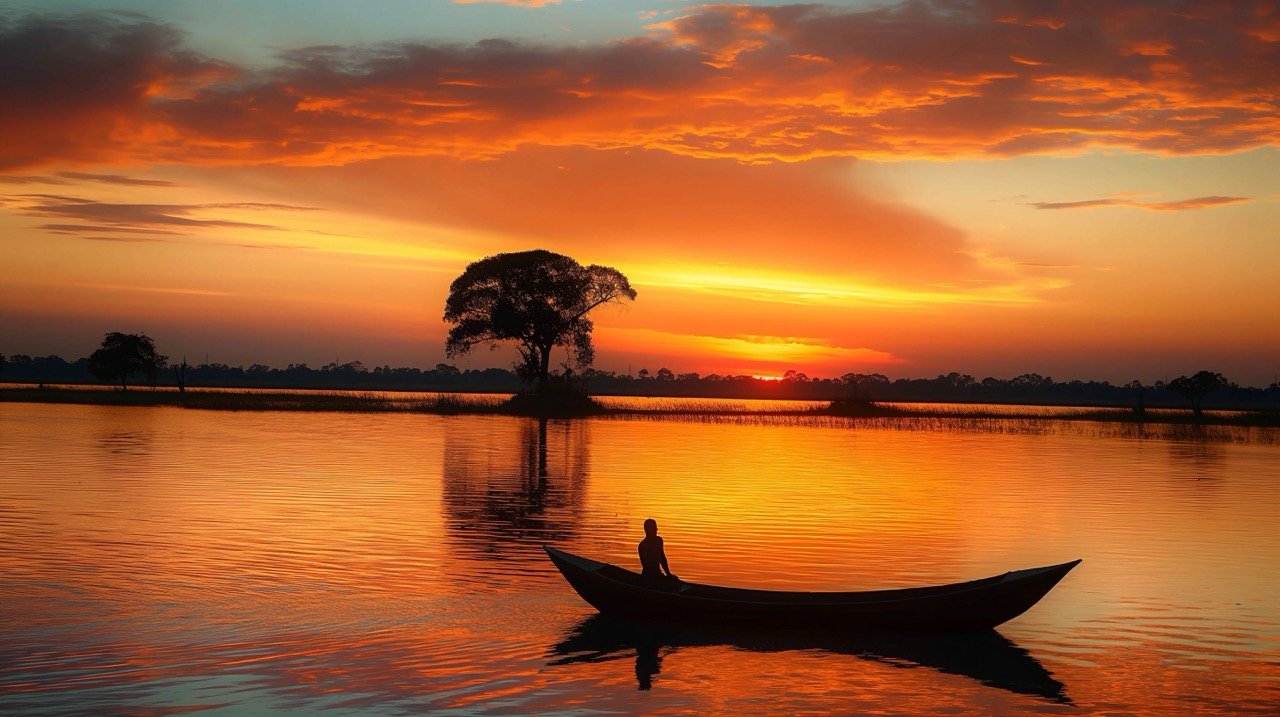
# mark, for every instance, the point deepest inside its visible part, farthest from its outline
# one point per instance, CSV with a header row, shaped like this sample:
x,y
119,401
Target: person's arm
x,y
662,560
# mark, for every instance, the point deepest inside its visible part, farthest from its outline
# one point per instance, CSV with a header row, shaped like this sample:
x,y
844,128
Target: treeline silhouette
x,y
348,376
1028,388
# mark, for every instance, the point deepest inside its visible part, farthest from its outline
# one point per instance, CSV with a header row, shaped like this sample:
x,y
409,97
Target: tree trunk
x,y
544,372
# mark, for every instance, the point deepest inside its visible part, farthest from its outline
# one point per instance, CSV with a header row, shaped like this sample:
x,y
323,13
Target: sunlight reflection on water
x,y
159,560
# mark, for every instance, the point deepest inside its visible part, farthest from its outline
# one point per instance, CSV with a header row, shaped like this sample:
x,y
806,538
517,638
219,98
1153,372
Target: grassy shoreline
x,y
455,404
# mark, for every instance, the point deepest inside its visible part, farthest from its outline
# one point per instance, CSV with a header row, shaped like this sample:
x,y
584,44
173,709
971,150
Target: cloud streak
x,y
750,83
117,179
66,178
1175,206
123,222
182,291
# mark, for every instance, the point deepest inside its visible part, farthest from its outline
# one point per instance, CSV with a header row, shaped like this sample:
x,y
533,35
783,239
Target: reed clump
x,y
454,405
859,407
555,404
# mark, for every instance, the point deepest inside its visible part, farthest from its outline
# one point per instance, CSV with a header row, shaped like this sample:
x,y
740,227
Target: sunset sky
x,y
1079,189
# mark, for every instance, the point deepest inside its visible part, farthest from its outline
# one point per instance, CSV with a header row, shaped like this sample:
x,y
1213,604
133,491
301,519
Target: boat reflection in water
x,y
987,657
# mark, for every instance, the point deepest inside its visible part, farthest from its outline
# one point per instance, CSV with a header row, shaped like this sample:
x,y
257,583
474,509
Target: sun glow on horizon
x,y
765,285
750,355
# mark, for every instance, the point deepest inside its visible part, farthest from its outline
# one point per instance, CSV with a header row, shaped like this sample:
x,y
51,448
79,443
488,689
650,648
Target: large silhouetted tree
x,y
123,355
536,299
1195,388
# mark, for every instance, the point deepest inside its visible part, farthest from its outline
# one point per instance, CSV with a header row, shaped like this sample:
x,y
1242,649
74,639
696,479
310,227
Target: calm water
x,y
161,561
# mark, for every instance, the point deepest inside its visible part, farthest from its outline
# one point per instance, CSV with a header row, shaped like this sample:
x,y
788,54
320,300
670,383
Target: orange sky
x,y
1084,190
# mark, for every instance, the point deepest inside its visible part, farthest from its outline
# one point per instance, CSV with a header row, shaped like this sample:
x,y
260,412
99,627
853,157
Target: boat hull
x,y
974,605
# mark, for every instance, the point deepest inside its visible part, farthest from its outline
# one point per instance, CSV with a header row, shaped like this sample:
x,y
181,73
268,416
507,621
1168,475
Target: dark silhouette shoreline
x,y
252,399
848,392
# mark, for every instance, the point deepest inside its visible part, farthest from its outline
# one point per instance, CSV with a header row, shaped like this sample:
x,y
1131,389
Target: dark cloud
x,y
751,83
81,86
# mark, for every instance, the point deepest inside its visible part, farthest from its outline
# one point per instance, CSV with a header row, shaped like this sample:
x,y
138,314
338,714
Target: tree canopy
x,y
123,355
537,299
1195,388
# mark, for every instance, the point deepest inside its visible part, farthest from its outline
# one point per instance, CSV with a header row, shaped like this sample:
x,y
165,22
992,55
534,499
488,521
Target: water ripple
x,y
160,561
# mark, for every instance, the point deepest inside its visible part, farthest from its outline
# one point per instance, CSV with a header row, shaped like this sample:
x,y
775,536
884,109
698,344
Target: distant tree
x,y
876,378
349,368
123,355
665,374
537,299
180,375
957,380
1031,380
1195,388
1139,408
644,373
860,385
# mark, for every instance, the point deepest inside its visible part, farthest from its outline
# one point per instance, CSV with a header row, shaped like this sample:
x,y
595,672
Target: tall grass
x,y
1263,427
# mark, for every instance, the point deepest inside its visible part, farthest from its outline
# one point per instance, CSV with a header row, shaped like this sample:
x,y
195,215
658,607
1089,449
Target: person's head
x,y
650,526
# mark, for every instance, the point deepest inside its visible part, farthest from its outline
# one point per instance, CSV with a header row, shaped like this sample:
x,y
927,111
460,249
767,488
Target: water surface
x,y
161,560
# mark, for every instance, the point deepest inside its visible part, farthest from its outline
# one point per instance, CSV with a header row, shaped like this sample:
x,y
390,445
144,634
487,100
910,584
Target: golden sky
x,y
1083,190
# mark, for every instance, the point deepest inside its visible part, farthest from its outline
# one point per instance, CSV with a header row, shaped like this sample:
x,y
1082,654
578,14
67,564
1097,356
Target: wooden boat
x,y
974,605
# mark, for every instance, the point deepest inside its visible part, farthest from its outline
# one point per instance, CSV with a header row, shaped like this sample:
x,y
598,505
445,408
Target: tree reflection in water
x,y
515,488
986,657
1201,459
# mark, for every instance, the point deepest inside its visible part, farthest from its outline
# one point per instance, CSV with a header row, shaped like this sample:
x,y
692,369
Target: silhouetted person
x,y
653,559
